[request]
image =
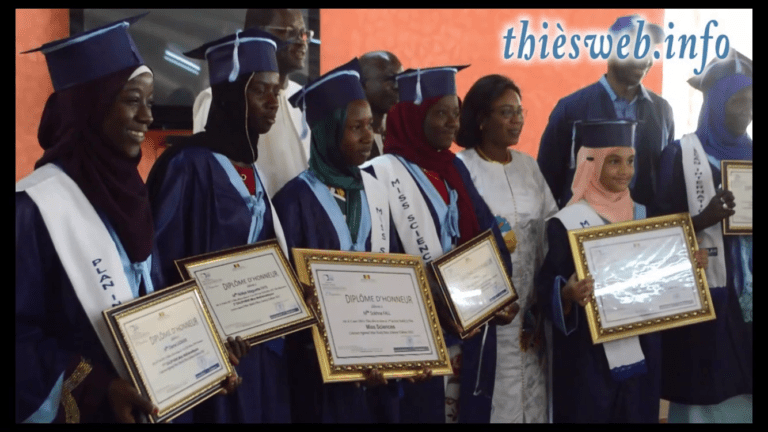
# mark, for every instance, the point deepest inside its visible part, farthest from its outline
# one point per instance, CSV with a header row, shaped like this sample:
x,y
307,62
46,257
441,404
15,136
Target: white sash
x,y
410,212
700,190
378,207
85,248
623,352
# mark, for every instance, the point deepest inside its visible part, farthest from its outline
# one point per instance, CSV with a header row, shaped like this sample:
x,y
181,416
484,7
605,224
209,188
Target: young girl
x,y
612,382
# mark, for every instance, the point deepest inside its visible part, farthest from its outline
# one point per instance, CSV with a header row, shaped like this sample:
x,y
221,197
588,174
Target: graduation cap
x,y
418,84
245,52
630,24
602,134
734,63
90,55
330,91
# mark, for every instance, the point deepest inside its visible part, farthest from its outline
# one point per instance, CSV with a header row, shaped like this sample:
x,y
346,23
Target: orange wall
x,y
34,27
419,37
425,38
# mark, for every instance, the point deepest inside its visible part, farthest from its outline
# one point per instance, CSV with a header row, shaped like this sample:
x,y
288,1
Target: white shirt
x,y
283,154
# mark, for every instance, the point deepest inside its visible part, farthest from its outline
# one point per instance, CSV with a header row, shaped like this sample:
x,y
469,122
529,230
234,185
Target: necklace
x,y
485,157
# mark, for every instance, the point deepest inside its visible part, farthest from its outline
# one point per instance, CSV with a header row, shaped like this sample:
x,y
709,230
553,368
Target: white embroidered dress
x,y
519,197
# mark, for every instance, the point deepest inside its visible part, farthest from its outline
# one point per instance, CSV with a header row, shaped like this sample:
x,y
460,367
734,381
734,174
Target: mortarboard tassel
x,y
235,59
572,165
417,101
304,126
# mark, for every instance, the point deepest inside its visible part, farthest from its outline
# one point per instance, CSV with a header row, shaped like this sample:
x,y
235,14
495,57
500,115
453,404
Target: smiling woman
x,y
82,219
128,119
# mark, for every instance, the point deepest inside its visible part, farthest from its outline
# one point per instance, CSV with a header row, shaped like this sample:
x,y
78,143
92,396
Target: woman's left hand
x,y
506,315
231,384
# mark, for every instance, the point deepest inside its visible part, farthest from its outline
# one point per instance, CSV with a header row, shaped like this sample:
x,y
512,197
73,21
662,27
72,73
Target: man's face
x,y
289,26
631,71
380,89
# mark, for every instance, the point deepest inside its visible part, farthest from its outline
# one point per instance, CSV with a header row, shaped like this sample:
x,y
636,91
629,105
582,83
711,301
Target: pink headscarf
x,y
614,206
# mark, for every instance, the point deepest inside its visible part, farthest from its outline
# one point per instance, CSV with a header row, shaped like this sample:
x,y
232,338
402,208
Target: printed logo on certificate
x,y
737,178
646,279
474,282
170,348
251,291
375,310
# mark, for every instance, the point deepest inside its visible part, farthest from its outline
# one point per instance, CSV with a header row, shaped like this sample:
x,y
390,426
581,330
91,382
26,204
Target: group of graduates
x,y
85,213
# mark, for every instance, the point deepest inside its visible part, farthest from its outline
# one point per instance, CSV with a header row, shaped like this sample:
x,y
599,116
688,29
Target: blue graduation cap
x,y
630,24
90,55
330,91
733,63
418,84
245,52
605,133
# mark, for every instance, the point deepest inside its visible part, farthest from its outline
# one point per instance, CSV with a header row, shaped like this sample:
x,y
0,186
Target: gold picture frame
x,y
390,288
737,178
657,250
452,270
133,326
241,310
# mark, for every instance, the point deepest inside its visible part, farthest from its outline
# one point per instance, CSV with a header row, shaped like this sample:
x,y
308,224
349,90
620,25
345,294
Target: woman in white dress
x,y
492,118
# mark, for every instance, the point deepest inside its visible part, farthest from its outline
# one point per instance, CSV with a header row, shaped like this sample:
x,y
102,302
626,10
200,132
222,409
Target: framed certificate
x,y
251,291
375,311
645,276
474,282
170,348
737,178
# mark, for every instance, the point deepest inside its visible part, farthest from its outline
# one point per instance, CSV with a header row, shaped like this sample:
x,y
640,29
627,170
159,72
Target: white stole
x,y
410,212
85,248
376,193
620,353
700,189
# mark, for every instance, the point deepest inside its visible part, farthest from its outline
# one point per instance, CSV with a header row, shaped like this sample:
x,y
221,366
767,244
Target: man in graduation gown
x,y
617,95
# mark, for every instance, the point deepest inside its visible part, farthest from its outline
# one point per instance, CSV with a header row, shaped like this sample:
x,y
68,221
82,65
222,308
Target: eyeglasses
x,y
508,112
293,34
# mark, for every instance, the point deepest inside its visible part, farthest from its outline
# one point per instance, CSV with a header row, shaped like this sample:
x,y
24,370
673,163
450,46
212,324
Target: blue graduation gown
x,y
655,130
53,331
709,362
198,210
307,225
583,389
425,402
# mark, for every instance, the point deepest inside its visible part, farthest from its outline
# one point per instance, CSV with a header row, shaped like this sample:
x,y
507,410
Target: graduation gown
x,y
655,130
308,225
583,388
709,362
53,332
197,210
425,402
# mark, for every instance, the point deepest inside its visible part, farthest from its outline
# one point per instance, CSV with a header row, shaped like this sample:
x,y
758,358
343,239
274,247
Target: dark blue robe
x,y
307,225
53,331
425,402
655,130
583,388
709,362
197,210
